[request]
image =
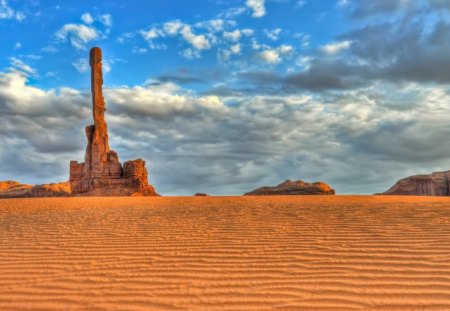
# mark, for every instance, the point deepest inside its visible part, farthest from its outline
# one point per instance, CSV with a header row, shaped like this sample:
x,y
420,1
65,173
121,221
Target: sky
x,y
223,96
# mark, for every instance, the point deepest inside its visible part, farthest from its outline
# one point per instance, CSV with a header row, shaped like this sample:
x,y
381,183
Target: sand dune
x,y
228,253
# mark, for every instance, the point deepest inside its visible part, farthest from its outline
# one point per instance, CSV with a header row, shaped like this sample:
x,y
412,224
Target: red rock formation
x,y
298,187
14,189
435,184
102,174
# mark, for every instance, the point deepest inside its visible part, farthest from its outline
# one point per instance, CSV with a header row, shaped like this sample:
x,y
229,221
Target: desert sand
x,y
225,253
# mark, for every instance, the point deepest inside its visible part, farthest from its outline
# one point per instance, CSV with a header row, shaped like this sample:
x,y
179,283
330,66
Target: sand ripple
x,y
229,253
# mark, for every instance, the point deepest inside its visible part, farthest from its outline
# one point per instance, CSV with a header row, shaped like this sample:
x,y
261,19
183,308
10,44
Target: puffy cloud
x,y
273,34
77,34
257,6
336,47
213,25
270,56
106,19
256,140
173,28
6,12
87,18
237,34
275,55
199,42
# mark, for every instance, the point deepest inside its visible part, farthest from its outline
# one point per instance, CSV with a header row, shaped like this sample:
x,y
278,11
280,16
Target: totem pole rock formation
x,y
102,174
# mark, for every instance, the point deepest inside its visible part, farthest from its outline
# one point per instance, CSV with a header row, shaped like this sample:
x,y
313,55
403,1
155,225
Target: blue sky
x,y
225,96
53,36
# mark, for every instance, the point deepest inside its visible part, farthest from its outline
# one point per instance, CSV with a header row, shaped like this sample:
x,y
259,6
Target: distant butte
x,y
435,184
298,187
102,174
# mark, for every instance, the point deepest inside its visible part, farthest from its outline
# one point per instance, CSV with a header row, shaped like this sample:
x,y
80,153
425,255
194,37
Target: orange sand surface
x,y
225,253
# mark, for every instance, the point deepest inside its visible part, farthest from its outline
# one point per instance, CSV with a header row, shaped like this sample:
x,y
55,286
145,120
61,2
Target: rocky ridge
x,y
14,189
298,187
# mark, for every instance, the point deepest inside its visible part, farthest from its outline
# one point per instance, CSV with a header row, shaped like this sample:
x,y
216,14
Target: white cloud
x,y
271,56
19,65
185,31
17,45
199,42
78,35
258,140
81,65
20,16
107,65
335,48
285,49
190,53
138,50
232,12
257,6
213,25
236,34
274,56
106,19
343,2
152,34
273,34
304,39
173,28
87,18
6,12
235,49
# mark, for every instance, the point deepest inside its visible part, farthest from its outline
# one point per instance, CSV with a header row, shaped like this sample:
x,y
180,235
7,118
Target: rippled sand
x,y
225,253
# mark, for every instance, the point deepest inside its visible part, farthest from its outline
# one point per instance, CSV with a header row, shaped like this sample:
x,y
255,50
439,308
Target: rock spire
x,y
102,174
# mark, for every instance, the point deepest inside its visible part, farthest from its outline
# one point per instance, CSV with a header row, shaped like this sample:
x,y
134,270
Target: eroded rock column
x,y
99,143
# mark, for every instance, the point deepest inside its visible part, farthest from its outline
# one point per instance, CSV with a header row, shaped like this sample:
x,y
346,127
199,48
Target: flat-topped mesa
x,y
102,174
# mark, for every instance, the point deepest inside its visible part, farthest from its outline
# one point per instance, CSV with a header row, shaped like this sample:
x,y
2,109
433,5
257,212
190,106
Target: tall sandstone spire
x,y
102,174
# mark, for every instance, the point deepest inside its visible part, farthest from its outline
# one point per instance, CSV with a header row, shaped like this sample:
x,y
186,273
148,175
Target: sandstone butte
x,y
102,174
435,184
298,187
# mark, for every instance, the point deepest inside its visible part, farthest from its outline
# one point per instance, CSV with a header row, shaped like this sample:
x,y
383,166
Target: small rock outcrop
x,y
102,174
298,187
435,184
198,194
14,189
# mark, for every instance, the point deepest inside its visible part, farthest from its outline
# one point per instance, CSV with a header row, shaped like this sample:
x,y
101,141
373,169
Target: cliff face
x,y
298,187
435,184
102,174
